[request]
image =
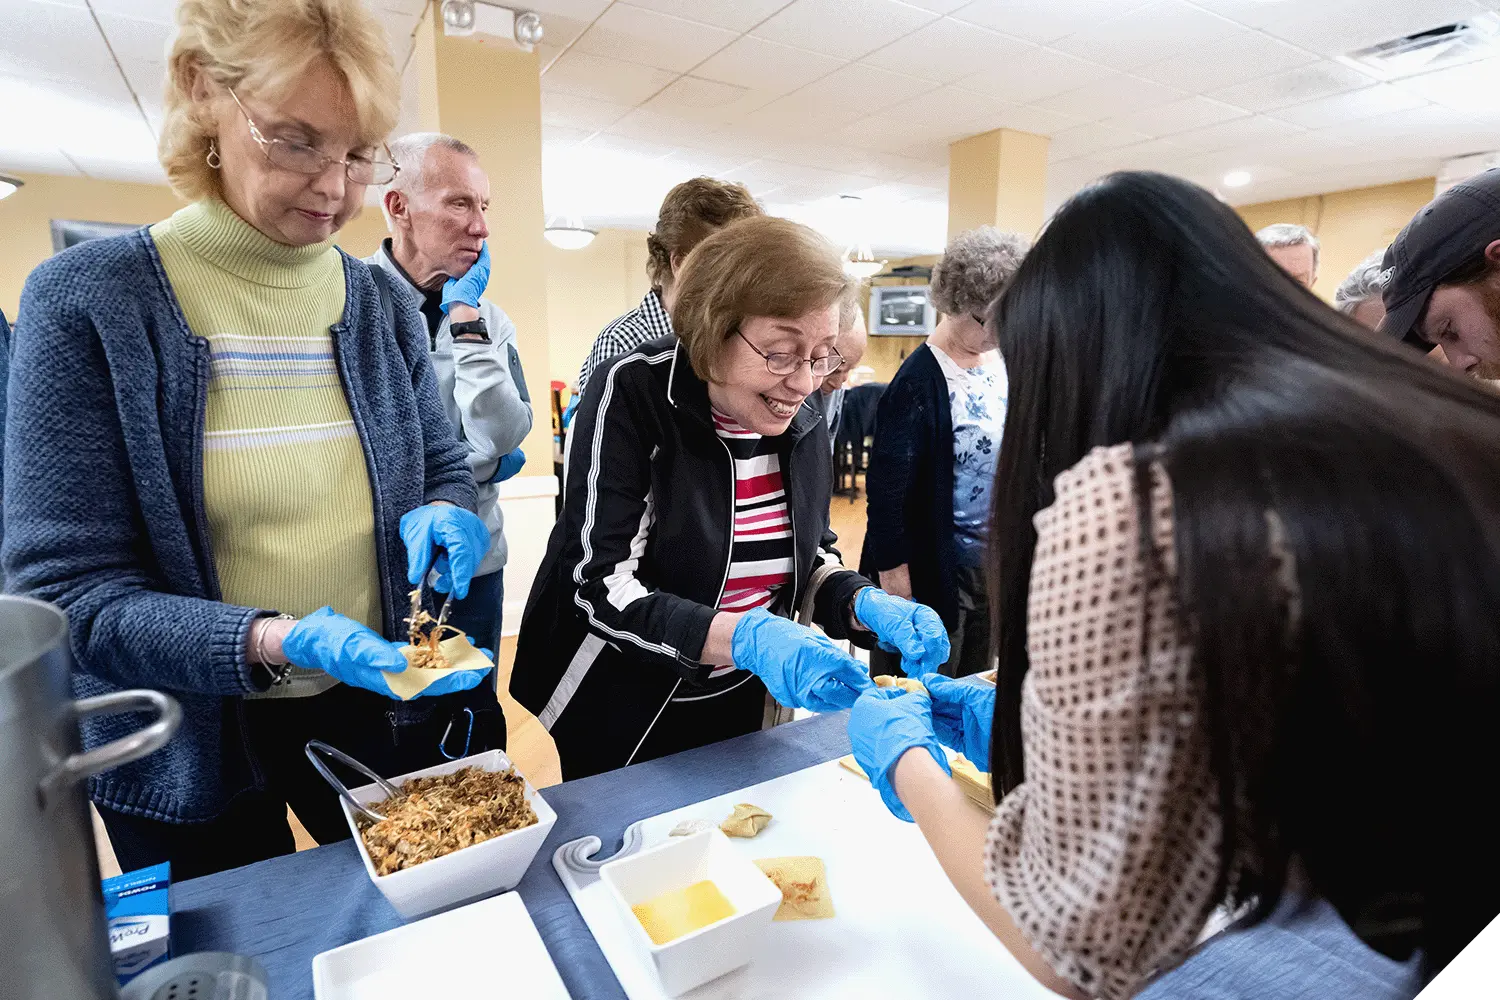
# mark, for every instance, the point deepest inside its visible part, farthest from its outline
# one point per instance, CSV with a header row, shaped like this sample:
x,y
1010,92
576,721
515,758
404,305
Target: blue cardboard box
x,y
136,905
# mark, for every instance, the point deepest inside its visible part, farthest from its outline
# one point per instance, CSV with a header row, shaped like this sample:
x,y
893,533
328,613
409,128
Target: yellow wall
x,y
586,289
1350,225
26,217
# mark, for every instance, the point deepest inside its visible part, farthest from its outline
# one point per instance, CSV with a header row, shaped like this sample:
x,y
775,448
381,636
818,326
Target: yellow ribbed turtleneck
x,y
290,511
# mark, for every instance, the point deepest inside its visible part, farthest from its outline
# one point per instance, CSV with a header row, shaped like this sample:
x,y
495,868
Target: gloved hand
x,y
343,648
963,713
508,466
460,534
913,630
885,723
466,290
801,668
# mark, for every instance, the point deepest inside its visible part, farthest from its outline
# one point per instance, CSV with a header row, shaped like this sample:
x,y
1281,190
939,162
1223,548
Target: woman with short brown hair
x,y
696,524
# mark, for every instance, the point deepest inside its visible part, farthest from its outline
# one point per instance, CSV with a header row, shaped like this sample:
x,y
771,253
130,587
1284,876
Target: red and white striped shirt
x,y
761,559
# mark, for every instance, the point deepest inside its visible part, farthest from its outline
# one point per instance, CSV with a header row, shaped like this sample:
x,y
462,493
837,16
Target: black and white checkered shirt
x,y
646,321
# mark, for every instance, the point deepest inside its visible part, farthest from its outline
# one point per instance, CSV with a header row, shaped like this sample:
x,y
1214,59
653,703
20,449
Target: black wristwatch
x,y
473,331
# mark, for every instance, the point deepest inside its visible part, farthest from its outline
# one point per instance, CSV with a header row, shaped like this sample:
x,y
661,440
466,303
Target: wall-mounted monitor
x,y
901,311
71,232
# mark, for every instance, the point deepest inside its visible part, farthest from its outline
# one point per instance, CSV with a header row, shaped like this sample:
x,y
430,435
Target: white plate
x,y
486,949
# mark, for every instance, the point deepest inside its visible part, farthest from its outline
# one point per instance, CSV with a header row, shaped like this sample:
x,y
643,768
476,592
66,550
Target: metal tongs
x,y
316,747
447,605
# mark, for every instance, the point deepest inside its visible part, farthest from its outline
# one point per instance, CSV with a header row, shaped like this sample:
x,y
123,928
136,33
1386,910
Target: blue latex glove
x,y
467,289
461,536
801,668
913,630
885,723
343,648
508,466
962,715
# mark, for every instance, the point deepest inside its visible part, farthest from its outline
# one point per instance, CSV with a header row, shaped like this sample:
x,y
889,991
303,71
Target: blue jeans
x,y
1302,951
479,613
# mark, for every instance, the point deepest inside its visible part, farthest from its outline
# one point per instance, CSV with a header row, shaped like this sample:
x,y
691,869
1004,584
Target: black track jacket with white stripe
x,y
620,608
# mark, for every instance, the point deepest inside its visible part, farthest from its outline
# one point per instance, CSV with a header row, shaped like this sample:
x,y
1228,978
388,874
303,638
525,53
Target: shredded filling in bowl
x,y
439,815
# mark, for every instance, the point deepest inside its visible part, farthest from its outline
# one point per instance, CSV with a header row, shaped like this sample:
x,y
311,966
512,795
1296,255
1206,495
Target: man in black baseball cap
x,y
1444,286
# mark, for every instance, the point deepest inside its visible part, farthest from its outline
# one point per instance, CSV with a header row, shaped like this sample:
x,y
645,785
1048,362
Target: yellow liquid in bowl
x,y
682,911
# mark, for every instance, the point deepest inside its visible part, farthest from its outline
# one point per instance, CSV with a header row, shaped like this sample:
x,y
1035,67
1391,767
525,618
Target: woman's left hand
x,y
913,630
883,725
458,533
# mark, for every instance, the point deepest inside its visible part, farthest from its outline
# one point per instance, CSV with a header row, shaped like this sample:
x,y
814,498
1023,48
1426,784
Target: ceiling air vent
x,y
1436,48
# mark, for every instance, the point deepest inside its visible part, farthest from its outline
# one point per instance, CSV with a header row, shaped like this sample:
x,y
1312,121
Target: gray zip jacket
x,y
484,394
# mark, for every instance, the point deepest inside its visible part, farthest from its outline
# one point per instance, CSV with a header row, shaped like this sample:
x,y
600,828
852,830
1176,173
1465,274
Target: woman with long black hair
x,y
1246,565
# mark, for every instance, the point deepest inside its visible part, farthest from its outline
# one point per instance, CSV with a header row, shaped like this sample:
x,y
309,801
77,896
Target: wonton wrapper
x,y
460,653
904,683
688,827
746,821
804,887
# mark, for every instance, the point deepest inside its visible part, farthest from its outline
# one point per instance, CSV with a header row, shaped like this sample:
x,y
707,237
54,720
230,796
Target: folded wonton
x,y
904,683
804,887
746,821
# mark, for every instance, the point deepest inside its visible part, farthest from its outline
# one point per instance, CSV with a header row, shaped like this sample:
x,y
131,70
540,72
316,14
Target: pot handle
x,y
138,744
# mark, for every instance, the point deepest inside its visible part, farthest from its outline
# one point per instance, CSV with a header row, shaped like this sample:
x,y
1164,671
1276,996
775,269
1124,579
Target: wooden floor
x,y
530,748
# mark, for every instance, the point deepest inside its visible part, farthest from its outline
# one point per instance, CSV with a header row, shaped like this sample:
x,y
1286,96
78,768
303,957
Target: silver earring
x,y
213,155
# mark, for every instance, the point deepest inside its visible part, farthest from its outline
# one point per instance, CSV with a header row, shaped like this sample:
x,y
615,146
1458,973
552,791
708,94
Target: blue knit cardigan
x,y
104,511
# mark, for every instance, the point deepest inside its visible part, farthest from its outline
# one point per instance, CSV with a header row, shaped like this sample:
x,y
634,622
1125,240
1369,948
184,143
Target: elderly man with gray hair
x,y
1360,294
1294,248
937,435
438,261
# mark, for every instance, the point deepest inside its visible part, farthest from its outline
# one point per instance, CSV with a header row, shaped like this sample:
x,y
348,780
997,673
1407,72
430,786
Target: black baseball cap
x,y
1450,233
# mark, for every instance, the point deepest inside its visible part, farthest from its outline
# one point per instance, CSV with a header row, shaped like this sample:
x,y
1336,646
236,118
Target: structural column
x,y
997,178
488,93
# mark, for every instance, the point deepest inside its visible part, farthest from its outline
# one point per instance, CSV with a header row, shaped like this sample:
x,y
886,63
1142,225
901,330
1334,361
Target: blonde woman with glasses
x,y
229,459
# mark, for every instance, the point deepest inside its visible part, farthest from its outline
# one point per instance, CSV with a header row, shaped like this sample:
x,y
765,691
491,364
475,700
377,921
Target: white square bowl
x,y
711,951
468,873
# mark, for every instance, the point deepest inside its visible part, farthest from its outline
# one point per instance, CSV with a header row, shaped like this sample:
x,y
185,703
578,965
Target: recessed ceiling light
x,y
1237,178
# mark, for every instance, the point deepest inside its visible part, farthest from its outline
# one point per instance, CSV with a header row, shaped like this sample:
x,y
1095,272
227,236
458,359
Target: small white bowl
x,y
711,951
469,873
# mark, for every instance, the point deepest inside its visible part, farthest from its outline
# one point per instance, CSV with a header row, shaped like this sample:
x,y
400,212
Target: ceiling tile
x,y
651,38
1158,154
162,11
29,157
858,89
573,111
761,65
1353,106
708,101
1242,132
1148,35
942,115
643,149
1033,75
736,15
142,41
1470,88
846,29
562,136
559,31
139,170
1043,20
1116,94
583,10
1297,86
1226,62
1433,130
1336,27
1086,140
946,50
30,49
1179,116
683,133
1038,121
700,163
412,7
603,79
147,80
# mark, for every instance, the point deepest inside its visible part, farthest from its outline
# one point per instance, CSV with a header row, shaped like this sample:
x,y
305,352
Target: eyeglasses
x,y
787,364
301,158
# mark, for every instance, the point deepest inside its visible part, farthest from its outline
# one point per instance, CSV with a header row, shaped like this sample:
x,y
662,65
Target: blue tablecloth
x,y
286,910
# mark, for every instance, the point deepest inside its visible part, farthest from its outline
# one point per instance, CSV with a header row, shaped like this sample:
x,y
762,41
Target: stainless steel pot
x,y
53,942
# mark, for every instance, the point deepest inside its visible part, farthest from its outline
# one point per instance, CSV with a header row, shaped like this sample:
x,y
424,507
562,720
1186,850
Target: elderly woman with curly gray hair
x,y
939,423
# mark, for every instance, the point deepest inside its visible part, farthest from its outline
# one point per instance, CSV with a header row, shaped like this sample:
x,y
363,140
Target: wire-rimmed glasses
x,y
778,363
301,158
